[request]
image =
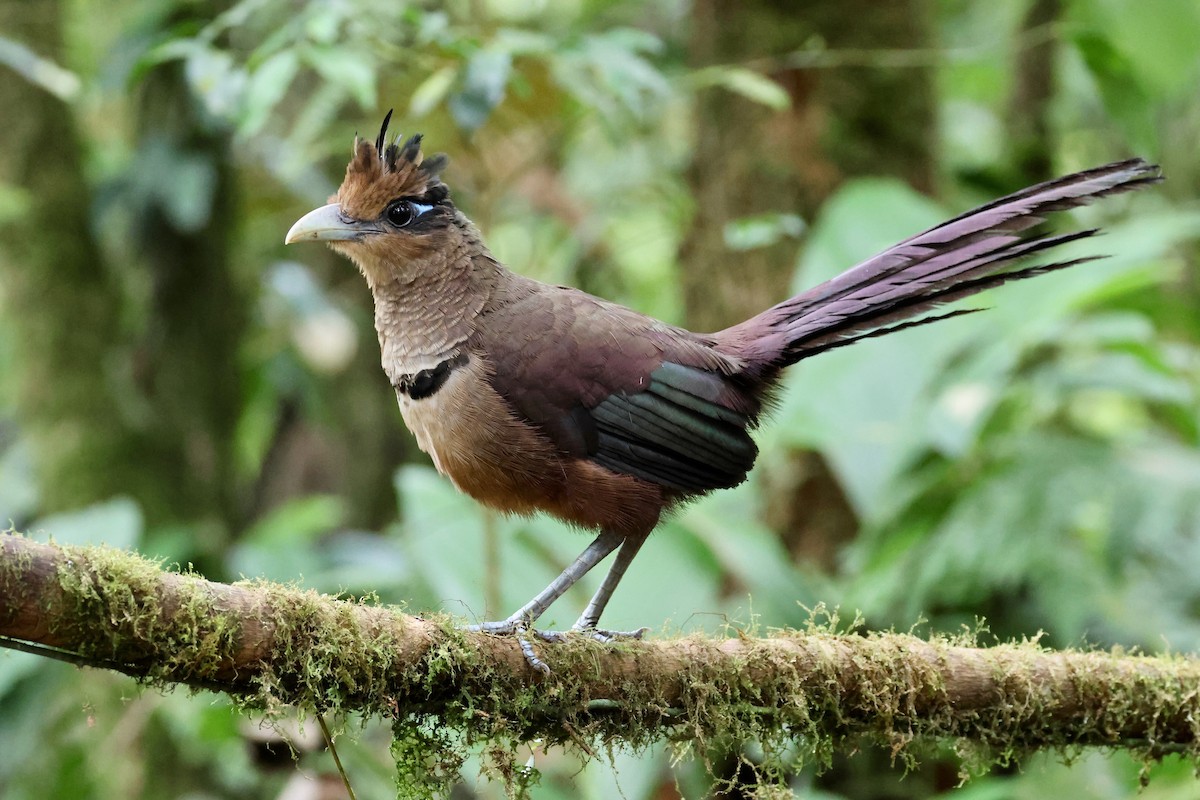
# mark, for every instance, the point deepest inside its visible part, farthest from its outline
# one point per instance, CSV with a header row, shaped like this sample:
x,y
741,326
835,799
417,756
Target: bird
x,y
532,397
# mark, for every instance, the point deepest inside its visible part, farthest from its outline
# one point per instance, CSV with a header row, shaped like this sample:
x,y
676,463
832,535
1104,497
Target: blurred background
x,y
173,380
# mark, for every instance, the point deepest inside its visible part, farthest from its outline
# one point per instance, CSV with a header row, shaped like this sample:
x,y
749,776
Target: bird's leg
x,y
526,615
590,617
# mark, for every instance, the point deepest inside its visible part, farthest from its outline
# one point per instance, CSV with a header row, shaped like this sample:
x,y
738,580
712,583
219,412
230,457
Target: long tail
x,y
899,287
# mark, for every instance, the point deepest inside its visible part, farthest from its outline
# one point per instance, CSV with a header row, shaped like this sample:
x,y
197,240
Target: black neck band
x,y
425,383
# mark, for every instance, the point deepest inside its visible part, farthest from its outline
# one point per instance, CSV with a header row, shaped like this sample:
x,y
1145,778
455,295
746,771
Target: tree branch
x,y
269,645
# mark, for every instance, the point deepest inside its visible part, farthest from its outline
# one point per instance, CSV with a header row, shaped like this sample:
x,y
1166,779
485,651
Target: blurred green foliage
x,y
1037,465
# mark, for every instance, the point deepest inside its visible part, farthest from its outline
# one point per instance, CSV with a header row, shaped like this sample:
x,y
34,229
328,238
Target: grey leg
x,y
586,624
527,614
591,615
522,620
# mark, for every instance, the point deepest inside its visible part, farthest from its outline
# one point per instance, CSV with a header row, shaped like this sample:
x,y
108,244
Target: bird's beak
x,y
326,224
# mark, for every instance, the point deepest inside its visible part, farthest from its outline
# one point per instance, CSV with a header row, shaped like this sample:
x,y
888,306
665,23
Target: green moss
x,y
784,701
113,599
12,574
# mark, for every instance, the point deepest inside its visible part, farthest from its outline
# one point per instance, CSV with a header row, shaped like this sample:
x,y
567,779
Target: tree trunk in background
x,y
197,324
189,369
127,369
1028,121
844,122
61,302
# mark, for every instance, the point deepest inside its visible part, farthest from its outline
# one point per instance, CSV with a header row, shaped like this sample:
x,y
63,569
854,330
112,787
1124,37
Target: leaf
x,y
218,81
1158,44
444,535
281,545
632,40
18,486
432,91
483,88
762,230
607,74
16,667
267,86
179,49
297,520
351,70
193,186
1123,93
745,82
60,82
255,429
116,523
522,42
324,21
618,68
745,551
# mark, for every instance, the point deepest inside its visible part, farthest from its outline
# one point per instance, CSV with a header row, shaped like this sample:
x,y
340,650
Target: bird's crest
x,y
380,172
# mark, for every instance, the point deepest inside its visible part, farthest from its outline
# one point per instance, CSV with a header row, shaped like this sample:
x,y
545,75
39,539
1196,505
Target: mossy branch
x,y
270,645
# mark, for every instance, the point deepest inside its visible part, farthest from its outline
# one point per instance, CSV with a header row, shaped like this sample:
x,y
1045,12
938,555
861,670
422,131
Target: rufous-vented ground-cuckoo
x,y
535,397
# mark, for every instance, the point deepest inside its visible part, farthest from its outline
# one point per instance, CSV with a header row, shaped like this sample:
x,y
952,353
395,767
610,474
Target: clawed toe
x,y
520,629
531,657
599,634
504,627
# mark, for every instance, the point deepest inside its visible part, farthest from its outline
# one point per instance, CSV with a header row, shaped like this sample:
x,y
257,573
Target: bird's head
x,y
391,213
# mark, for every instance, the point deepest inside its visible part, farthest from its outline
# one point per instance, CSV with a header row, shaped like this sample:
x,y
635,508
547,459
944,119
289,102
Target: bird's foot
x,y
518,628
504,627
599,634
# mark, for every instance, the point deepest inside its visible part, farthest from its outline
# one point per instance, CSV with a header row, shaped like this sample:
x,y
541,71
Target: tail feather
x,y
968,254
818,333
881,326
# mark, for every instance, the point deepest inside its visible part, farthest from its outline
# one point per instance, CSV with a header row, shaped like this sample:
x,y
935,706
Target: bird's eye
x,y
400,213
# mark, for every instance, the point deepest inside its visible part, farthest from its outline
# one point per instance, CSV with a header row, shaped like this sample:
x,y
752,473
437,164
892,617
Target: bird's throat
x,y
426,321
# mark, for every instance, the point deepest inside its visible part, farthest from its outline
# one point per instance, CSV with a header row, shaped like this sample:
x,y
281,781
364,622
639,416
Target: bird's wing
x,y
625,391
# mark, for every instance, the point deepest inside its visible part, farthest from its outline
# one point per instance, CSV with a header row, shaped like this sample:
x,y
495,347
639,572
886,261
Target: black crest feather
x,y
388,156
434,165
383,133
398,156
412,148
